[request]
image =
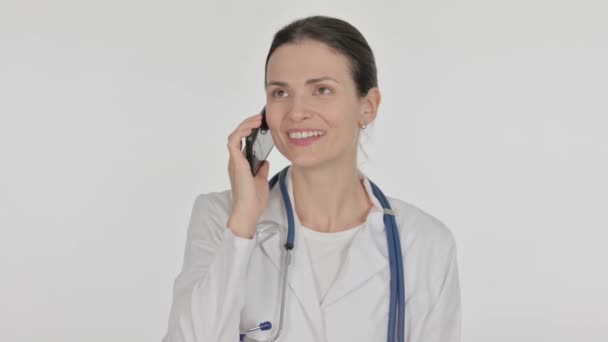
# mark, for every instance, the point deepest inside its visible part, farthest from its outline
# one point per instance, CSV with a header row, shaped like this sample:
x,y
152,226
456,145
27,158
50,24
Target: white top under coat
x,y
328,252
229,284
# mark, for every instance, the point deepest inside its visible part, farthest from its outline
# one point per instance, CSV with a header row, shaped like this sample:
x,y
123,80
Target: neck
x,y
330,198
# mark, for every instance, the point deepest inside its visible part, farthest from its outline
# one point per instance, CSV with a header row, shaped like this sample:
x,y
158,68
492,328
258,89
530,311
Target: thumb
x,y
264,169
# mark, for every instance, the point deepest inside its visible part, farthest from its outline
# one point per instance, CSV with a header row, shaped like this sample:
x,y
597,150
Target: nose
x,y
299,109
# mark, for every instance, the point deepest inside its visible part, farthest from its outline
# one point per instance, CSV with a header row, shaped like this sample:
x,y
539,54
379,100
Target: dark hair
x,y
338,35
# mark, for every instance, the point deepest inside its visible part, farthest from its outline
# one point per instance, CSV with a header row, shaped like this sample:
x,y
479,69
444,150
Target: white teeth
x,y
304,135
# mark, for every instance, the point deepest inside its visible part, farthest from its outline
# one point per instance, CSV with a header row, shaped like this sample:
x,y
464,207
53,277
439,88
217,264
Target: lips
x,y
305,134
304,137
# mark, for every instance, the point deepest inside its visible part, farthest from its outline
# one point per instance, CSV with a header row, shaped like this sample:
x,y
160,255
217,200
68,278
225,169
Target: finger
x,y
249,124
264,169
235,142
255,118
246,127
235,138
242,131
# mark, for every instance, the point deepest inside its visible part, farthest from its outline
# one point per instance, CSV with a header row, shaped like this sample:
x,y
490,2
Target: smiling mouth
x,y
305,138
306,134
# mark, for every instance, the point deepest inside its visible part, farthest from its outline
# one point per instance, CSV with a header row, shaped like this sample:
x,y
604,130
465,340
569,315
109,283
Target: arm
x,y
208,293
443,323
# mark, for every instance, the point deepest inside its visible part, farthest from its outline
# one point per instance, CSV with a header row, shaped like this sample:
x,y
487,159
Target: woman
x,y
321,91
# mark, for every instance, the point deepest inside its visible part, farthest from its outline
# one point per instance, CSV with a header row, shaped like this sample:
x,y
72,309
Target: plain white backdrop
x,y
114,115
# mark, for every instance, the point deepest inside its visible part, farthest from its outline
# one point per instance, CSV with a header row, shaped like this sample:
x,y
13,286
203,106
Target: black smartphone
x,y
258,145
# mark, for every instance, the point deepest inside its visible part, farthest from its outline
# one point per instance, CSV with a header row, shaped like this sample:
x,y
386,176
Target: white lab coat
x,y
229,284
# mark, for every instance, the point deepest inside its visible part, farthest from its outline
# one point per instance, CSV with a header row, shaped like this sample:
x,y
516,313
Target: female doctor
x,y
321,91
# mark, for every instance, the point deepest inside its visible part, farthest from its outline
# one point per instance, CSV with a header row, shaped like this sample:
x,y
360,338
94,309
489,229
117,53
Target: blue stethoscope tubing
x,y
396,313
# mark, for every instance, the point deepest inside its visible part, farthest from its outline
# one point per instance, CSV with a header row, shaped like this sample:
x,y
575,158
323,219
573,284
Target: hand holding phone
x,y
249,193
258,145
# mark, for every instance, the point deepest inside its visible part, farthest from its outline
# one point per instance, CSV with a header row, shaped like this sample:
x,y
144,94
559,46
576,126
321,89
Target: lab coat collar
x,y
367,255
275,213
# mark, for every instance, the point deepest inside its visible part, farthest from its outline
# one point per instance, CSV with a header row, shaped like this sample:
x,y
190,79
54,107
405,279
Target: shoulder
x,y
415,224
427,244
209,215
217,203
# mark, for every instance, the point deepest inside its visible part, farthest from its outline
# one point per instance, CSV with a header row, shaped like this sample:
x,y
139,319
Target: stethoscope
x,y
396,311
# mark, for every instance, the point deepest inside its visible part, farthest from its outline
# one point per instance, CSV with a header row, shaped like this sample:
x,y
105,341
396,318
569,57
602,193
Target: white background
x,y
115,114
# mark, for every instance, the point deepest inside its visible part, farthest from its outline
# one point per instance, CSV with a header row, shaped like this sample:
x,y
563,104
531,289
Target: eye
x,y
324,90
275,92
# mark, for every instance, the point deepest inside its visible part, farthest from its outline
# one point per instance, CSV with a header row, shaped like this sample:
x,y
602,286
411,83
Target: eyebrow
x,y
309,81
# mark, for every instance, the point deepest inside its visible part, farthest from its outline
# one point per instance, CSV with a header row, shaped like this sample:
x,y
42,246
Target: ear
x,y
370,105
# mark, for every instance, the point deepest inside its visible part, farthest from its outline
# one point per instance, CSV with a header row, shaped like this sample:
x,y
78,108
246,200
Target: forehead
x,y
296,62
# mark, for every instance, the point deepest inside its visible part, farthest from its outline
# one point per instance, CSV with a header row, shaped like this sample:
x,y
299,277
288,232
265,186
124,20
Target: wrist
x,y
239,228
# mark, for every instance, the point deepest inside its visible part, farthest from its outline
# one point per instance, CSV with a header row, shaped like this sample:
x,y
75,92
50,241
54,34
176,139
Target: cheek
x,y
274,123
344,116
272,119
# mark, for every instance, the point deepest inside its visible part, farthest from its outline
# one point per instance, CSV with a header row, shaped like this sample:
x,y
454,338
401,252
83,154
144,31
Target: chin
x,y
309,162
304,162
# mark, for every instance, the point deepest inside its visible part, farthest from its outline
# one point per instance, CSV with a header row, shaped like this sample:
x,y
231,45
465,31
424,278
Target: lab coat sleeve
x,y
208,293
443,323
